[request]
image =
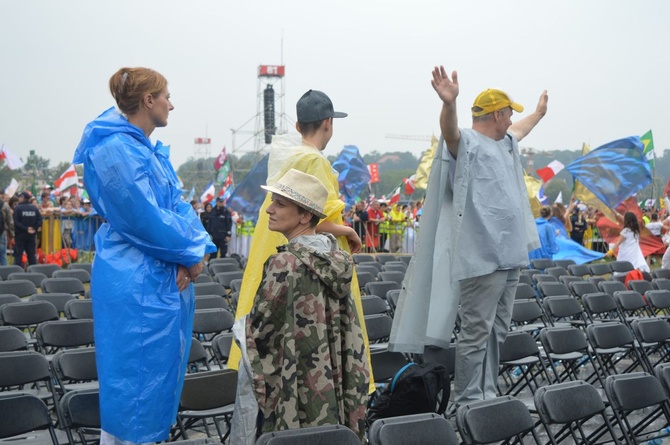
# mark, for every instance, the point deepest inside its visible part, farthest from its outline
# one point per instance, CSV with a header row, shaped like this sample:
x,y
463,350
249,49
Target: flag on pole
x,y
395,196
247,198
559,198
551,170
13,162
221,159
614,171
534,190
409,185
587,197
12,188
648,141
373,169
67,179
353,173
191,194
208,195
423,170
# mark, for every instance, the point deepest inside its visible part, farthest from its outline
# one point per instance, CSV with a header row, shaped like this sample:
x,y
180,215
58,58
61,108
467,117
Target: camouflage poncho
x,y
305,343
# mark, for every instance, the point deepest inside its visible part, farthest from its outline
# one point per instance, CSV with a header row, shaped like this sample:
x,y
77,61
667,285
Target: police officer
x,y
220,225
27,222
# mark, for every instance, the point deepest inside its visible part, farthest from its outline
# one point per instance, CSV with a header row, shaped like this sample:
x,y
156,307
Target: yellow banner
x,y
423,170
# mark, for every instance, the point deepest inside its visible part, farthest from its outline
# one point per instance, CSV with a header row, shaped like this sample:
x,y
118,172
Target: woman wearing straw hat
x,y
307,362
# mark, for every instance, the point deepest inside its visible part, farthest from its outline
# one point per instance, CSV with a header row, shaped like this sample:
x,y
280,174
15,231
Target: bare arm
x,y
353,239
521,128
447,90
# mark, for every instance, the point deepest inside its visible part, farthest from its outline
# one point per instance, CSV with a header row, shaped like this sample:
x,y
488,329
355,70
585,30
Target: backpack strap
x,y
398,374
446,391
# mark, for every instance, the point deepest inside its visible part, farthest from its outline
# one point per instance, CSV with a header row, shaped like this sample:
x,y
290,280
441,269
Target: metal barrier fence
x,y
69,232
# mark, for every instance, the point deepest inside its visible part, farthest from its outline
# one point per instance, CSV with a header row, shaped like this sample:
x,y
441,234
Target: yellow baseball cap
x,y
491,100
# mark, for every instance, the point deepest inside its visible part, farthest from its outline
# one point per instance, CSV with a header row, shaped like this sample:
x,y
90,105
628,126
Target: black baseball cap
x,y
315,106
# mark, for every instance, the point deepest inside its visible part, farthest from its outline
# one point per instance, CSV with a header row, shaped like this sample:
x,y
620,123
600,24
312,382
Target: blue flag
x,y
353,174
614,171
191,194
248,196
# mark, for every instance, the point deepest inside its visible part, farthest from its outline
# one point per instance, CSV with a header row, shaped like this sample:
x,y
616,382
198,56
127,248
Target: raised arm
x,y
447,90
521,128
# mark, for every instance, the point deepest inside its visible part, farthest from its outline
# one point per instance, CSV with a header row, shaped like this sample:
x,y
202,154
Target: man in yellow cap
x,y
477,229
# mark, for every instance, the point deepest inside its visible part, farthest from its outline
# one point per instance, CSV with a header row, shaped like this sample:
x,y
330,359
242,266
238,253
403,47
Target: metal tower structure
x,y
202,147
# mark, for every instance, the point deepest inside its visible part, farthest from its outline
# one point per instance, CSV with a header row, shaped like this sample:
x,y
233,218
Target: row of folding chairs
x,y
381,258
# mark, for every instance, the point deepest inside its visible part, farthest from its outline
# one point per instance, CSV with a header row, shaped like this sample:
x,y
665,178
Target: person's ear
x,y
148,101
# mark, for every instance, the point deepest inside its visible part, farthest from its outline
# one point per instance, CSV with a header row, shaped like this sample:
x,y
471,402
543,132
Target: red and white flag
x,y
13,162
67,179
12,188
221,159
208,195
373,169
409,185
549,171
395,197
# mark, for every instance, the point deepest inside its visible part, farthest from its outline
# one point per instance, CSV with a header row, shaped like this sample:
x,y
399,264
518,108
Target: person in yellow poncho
x,y
315,124
398,218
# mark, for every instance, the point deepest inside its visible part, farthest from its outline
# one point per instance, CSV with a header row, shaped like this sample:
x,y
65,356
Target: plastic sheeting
x,y
143,323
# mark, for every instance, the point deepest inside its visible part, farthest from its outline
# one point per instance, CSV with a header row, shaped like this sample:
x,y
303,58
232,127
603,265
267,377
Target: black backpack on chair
x,y
416,388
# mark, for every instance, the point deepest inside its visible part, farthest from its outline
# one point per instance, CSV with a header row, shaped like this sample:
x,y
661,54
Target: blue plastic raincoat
x,y
143,324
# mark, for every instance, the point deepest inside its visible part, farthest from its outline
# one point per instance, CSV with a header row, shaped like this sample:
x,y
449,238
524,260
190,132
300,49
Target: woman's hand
x,y
355,243
183,278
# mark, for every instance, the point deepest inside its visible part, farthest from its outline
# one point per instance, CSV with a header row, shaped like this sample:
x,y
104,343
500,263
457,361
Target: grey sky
x,y
604,63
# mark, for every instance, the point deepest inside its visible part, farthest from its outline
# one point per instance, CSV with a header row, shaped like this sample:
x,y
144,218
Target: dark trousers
x,y
221,246
25,242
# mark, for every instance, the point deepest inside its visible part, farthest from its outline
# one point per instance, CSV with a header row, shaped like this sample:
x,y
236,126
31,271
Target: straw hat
x,y
303,189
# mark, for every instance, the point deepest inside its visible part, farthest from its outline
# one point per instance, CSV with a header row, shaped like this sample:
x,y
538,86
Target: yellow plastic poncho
x,y
287,153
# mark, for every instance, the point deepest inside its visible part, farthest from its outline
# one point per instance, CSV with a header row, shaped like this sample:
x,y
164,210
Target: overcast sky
x,y
605,64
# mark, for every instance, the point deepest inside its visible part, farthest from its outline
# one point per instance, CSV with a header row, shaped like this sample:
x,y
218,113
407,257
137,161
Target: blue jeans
x,y
3,249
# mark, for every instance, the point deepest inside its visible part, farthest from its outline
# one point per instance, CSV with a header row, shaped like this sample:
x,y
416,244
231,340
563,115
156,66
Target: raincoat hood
x,y
332,267
107,124
541,221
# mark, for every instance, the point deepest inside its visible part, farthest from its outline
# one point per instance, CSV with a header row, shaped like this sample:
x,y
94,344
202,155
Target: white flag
x,y
12,188
13,161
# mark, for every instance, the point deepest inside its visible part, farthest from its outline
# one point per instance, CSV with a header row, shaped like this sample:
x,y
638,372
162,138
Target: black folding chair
x,y
24,413
425,429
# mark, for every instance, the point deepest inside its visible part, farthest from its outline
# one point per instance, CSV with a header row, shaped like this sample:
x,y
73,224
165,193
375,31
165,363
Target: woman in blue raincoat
x,y
147,254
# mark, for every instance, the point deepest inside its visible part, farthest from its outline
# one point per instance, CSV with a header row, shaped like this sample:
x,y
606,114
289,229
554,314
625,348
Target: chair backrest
x,y
611,286
561,307
371,264
35,277
651,330
621,266
59,300
567,402
524,292
661,283
46,269
386,364
392,267
581,288
88,267
392,298
20,288
81,274
24,413
204,278
9,298
52,335
600,305
600,269
544,278
631,302
362,257
209,289
661,273
658,299
640,286
551,289
28,313
23,367
223,267
6,270
81,409
197,393
209,321
225,278
211,302
426,429
564,263
633,391
563,339
378,327
197,354
579,270
236,285
525,279
224,260
221,345
569,279
364,278
542,263
322,435
384,257
493,420
556,271
380,288
372,304
526,311
75,365
68,285
518,345
79,309
397,277
662,373
12,339
609,335
596,280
